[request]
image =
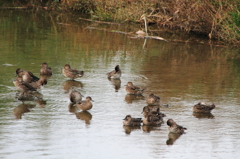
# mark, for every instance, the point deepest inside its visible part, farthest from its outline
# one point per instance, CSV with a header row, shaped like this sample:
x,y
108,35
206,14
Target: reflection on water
x,y
149,128
72,108
129,98
84,115
71,84
182,74
46,77
129,129
21,109
116,83
203,115
172,138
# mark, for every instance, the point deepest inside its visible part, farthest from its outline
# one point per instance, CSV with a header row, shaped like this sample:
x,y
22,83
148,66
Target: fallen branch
x,y
15,8
133,35
90,20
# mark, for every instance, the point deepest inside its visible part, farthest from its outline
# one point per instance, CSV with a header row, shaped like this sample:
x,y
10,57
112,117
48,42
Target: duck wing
x,y
35,78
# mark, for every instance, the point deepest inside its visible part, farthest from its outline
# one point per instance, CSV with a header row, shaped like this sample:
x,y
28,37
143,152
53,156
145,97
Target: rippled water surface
x,y
182,74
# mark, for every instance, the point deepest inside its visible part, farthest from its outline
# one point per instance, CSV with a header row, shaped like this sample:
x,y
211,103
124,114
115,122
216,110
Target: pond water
x,y
182,74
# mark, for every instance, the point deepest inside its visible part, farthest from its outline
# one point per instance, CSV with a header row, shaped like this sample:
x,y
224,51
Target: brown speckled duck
x,y
153,120
132,89
174,127
115,74
202,107
152,99
85,104
23,86
45,70
71,73
27,76
154,110
75,96
129,121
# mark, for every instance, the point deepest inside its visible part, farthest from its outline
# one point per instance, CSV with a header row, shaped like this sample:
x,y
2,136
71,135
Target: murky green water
x,y
182,74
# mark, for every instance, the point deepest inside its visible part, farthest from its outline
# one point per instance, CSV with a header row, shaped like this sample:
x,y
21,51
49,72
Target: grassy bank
x,y
217,19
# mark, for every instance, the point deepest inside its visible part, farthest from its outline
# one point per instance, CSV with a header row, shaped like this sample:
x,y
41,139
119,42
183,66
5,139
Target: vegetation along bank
x,y
217,19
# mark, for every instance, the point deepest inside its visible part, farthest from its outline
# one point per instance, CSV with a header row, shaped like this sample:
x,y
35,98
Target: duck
x,y
174,127
27,76
38,84
23,86
153,120
129,121
115,74
75,96
45,70
202,107
85,104
154,110
68,72
132,89
152,99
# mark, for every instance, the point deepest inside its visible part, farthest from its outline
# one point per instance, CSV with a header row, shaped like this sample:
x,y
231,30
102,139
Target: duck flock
x,y
28,84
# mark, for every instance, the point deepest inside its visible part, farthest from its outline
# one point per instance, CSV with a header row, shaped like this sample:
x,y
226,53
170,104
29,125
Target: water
x,y
182,74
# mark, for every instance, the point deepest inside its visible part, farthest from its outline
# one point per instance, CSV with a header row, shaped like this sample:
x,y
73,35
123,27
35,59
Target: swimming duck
x,y
154,110
27,76
75,96
129,121
153,120
116,73
174,127
202,107
45,70
152,99
85,104
23,86
132,89
71,73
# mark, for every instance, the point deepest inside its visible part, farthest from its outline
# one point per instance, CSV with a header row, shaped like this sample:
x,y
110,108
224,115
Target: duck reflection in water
x,y
70,84
172,137
84,115
203,115
46,77
72,108
29,96
149,128
129,129
41,103
129,98
21,109
116,83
